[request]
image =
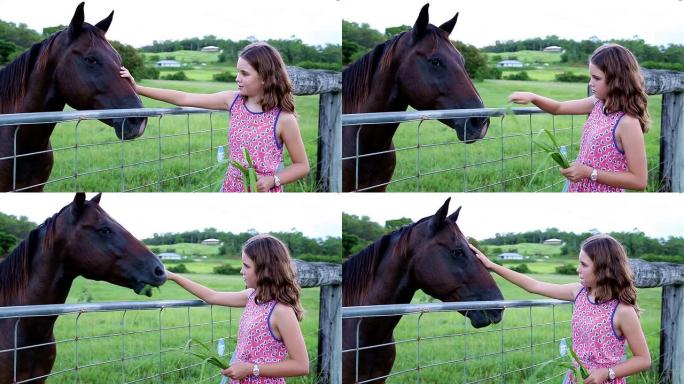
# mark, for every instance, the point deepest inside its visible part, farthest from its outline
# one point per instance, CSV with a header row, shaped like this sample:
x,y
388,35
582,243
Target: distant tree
x,y
131,59
393,225
7,48
391,31
7,242
50,30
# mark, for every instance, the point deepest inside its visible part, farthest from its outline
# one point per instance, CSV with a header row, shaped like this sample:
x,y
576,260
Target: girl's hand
x,y
521,97
127,75
170,275
597,376
238,370
576,172
265,183
481,256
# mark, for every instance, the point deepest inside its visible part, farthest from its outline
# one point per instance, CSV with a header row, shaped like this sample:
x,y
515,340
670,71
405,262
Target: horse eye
x,y
90,60
435,62
456,252
104,231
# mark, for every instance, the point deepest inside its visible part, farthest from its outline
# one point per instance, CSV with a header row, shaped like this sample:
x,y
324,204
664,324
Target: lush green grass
x,y
188,249
176,153
100,346
525,249
185,57
505,159
526,336
526,57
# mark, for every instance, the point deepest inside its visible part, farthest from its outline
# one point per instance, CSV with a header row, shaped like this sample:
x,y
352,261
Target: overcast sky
x,y
316,215
139,23
483,215
482,22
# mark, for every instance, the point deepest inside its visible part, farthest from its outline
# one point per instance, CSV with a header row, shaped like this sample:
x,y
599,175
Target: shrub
x,y
319,65
569,77
225,77
522,268
522,75
225,269
176,76
180,268
566,269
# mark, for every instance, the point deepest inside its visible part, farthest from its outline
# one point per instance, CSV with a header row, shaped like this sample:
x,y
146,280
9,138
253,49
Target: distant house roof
x,y
509,63
553,241
553,48
511,256
167,63
170,256
210,48
211,241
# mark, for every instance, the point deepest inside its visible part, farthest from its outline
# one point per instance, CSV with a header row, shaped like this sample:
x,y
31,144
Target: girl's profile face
x,y
248,272
597,82
248,80
585,270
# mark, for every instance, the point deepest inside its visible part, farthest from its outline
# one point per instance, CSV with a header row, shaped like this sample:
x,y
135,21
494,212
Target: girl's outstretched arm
x,y
285,323
627,322
230,299
554,107
219,100
554,291
292,139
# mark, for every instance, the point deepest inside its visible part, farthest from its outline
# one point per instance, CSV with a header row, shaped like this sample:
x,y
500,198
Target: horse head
x,y
432,75
87,74
96,247
445,268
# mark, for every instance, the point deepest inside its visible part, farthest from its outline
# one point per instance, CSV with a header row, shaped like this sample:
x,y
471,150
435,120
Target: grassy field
x,y
147,351
505,160
176,153
188,249
451,351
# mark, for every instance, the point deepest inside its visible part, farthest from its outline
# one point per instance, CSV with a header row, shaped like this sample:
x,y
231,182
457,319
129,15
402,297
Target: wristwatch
x,y
255,371
611,374
276,181
594,174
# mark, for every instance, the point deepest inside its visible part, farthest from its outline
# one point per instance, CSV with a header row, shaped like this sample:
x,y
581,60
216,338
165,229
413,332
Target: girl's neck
x,y
253,103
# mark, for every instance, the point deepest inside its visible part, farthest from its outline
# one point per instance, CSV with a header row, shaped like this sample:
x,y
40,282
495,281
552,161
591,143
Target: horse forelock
x,y
359,272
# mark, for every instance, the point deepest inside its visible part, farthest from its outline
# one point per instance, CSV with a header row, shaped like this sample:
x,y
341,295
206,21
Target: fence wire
x,y
436,344
131,342
431,158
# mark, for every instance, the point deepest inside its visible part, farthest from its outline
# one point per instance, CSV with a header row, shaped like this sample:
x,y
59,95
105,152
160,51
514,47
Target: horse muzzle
x,y
129,127
483,318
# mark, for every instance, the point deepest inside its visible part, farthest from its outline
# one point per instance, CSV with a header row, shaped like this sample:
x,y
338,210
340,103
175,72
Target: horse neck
x,y
392,282
49,281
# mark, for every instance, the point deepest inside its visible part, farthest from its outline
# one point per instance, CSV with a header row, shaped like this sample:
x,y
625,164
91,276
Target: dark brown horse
x,y
432,255
76,66
420,68
79,240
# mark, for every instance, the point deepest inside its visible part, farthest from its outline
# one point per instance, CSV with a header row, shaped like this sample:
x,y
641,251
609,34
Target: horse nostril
x,y
159,271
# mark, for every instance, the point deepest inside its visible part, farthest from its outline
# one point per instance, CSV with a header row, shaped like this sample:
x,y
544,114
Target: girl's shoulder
x,y
628,125
282,312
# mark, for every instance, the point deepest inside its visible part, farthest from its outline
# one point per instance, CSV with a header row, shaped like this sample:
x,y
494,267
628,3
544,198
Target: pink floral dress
x,y
594,338
598,149
255,131
256,343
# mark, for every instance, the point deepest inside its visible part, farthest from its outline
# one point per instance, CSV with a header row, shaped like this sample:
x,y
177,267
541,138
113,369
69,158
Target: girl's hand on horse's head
x,y
170,275
481,256
576,172
238,370
265,183
521,97
127,75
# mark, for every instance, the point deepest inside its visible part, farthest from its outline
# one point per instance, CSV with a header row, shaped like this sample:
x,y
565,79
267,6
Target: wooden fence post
x,y
672,143
329,277
329,164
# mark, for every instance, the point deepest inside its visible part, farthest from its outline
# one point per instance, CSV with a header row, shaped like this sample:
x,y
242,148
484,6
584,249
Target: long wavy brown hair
x,y
614,277
626,91
276,277
268,63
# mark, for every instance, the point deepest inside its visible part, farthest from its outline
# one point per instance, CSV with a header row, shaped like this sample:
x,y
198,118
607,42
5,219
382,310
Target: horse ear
x,y
437,220
96,199
449,25
79,202
104,24
421,23
454,216
77,21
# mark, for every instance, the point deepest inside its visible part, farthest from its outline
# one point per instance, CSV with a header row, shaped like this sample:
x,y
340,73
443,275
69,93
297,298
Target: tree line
x,y
12,231
328,249
16,38
359,231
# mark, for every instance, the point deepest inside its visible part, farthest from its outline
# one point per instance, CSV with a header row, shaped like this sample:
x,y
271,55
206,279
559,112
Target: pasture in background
x,y
127,346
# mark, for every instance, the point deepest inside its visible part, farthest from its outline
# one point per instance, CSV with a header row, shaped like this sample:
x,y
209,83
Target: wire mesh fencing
x,y
430,157
136,342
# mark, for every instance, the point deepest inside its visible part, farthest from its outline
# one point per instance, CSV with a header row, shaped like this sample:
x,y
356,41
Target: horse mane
x,y
15,270
15,76
358,273
358,76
